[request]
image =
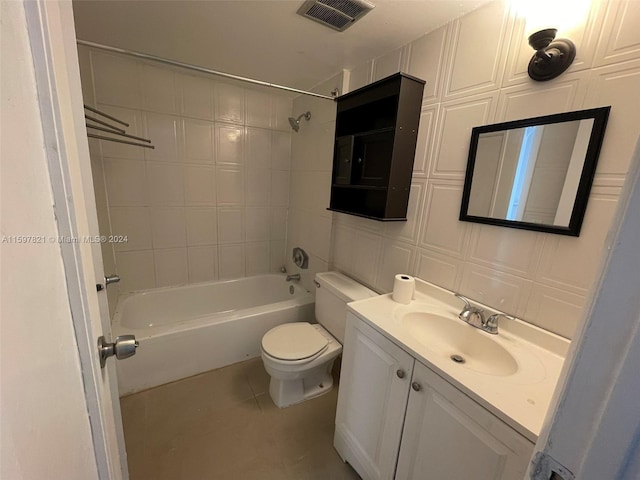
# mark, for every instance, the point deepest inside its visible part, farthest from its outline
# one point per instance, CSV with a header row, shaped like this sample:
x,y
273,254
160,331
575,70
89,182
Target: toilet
x,y
299,356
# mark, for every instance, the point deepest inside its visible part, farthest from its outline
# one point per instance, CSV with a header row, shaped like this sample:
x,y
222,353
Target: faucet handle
x,y
491,325
467,303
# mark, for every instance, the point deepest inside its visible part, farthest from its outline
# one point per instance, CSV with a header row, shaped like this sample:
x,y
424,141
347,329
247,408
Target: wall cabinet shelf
x,y
397,419
376,134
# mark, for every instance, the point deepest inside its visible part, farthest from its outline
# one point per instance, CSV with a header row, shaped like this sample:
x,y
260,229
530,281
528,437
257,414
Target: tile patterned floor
x,y
223,425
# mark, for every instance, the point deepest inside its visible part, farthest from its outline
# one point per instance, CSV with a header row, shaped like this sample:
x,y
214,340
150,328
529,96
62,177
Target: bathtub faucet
x,y
295,276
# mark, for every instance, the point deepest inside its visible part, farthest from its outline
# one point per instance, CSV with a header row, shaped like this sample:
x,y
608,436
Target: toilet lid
x,y
293,341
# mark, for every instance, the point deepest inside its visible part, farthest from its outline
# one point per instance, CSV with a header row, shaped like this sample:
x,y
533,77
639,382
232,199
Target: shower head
x,y
295,122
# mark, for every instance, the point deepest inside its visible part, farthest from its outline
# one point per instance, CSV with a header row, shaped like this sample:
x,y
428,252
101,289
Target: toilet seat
x,y
294,342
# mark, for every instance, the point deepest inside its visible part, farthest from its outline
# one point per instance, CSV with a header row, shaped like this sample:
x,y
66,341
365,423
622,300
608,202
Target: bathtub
x,y
190,329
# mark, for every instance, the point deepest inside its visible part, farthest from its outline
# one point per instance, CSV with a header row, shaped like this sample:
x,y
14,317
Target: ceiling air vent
x,y
336,14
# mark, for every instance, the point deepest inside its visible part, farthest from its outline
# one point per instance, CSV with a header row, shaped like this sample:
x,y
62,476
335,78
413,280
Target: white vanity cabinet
x,y
375,381
448,435
418,427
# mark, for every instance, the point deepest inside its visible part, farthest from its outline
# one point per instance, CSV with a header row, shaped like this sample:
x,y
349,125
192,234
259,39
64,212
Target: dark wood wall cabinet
x,y
376,134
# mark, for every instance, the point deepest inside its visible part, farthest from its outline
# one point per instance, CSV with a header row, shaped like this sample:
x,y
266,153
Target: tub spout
x,y
295,276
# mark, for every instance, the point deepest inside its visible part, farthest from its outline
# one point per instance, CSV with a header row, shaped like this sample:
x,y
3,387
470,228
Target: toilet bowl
x,y
293,379
299,356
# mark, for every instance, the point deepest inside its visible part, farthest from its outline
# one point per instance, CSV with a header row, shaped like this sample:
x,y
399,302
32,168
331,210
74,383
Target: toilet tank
x,y
333,291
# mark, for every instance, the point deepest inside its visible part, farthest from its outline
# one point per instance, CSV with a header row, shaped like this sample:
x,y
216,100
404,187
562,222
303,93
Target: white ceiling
x,y
262,39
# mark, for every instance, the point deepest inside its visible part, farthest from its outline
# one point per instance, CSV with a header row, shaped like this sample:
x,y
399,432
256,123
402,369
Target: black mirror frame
x,y
600,117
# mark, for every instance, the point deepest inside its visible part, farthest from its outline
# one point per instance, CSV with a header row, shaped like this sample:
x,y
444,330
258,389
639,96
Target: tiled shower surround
x,y
210,201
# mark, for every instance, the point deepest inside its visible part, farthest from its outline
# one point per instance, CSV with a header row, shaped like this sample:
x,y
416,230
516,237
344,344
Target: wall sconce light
x,y
551,57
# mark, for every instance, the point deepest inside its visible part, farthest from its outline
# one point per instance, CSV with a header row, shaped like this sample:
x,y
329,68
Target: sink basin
x,y
460,343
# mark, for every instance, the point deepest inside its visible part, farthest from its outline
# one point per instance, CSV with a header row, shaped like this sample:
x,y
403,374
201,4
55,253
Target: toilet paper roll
x,y
403,288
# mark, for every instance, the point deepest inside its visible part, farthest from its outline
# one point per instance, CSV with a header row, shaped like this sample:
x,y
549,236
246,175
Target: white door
x,y
53,42
374,386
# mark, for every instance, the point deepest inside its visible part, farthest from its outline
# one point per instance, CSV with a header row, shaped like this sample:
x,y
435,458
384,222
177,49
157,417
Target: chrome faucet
x,y
474,316
295,276
491,325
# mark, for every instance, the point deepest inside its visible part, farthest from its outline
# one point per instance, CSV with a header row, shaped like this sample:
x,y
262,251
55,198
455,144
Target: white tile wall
x,y
134,222
257,223
229,103
229,140
506,292
475,60
199,185
230,186
257,258
258,187
475,69
361,75
309,224
426,61
197,141
281,150
203,264
231,261
163,131
158,89
168,225
199,206
171,266
388,64
258,108
619,38
439,269
442,231
230,225
165,183
195,96
553,309
397,257
279,188
116,80
134,119
202,226
616,85
258,147
425,142
456,120
126,181
136,270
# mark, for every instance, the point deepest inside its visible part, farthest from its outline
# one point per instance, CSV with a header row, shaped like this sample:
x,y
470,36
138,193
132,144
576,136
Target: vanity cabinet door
x,y
449,436
374,385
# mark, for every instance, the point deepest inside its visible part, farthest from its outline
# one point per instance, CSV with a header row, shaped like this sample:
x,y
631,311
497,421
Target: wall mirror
x,y
534,174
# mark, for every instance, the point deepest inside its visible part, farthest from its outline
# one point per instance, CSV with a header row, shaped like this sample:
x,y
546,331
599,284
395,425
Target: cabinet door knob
x,y
416,386
400,373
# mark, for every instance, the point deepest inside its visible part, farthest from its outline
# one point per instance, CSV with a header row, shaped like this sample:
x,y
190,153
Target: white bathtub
x,y
188,330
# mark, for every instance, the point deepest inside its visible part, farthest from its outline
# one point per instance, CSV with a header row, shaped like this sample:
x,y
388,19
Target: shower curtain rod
x,y
198,69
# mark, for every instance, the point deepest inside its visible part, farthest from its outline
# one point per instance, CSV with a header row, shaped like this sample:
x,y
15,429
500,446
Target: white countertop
x,y
521,399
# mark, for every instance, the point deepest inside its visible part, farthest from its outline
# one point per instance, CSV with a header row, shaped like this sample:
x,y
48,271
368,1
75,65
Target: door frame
x,y
51,32
592,428
52,36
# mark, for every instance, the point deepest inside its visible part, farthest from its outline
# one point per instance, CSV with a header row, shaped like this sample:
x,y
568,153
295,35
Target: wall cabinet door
x,y
374,386
449,436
